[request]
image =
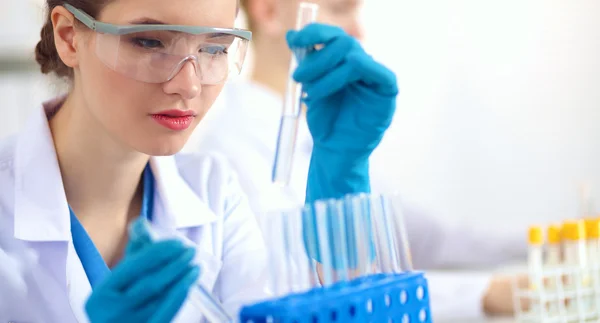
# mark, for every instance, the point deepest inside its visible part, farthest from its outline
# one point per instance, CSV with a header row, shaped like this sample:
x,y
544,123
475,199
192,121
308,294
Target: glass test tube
x,y
388,253
321,212
398,235
551,263
592,231
291,269
535,266
553,256
576,263
359,235
198,296
361,232
292,106
275,239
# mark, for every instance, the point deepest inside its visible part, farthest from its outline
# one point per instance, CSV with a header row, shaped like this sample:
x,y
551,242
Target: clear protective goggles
x,y
156,53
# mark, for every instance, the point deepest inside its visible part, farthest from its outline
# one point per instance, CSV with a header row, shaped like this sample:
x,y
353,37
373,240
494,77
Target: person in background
x,y
246,133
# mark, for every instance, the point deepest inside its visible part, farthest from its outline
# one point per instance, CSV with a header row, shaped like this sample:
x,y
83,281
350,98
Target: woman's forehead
x,y
210,13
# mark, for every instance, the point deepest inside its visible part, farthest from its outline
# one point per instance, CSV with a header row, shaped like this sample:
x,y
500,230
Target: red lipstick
x,y
176,120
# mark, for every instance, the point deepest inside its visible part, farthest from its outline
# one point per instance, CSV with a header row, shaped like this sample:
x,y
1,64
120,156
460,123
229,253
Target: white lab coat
x,y
197,196
243,126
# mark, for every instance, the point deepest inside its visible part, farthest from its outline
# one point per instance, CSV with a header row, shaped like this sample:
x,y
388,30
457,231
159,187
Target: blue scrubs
x,y
93,264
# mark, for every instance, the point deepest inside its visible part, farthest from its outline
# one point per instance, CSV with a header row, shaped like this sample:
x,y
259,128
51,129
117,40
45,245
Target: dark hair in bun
x,y
45,51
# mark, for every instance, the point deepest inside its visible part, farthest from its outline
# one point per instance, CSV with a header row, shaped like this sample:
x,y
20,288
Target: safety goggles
x,y
156,53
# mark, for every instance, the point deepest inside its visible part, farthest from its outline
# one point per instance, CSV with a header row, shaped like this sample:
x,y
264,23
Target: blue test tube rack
x,y
397,298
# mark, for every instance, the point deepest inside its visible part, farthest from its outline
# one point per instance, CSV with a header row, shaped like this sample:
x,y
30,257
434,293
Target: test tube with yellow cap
x,y
535,266
535,258
552,263
575,263
592,228
553,248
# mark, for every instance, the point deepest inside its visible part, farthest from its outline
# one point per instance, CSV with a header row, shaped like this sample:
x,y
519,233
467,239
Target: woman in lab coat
x,y
143,73
247,136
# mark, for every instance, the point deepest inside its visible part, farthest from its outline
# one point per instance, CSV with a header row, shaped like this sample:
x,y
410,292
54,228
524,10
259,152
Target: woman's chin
x,y
163,148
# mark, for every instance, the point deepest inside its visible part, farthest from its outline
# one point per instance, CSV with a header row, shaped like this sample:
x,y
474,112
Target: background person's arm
x,y
437,244
458,296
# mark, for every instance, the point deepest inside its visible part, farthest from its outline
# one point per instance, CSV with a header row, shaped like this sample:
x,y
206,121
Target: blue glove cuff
x,y
334,175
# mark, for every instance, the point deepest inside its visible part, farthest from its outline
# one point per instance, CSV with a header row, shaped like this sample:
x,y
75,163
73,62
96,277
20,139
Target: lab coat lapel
x,y
178,207
41,209
176,204
41,212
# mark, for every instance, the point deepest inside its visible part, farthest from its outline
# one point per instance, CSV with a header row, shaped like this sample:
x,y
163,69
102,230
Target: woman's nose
x,y
185,83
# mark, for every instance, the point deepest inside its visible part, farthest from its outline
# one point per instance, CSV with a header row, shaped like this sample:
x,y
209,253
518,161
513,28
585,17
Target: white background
x,y
499,116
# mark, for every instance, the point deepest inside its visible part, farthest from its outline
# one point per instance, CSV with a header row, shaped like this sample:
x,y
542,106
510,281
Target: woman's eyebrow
x,y
217,35
146,21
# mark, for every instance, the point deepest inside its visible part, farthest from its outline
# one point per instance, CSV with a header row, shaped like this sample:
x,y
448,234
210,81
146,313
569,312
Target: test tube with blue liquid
x,y
292,106
333,241
367,235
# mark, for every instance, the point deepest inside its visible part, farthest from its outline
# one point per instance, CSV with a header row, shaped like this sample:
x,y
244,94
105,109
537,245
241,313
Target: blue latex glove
x,y
149,285
351,100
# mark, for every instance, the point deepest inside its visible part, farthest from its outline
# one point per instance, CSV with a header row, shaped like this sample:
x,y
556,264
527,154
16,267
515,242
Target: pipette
x,y
198,296
292,106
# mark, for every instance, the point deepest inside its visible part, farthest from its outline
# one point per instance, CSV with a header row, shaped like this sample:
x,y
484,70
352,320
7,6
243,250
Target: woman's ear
x,y
63,24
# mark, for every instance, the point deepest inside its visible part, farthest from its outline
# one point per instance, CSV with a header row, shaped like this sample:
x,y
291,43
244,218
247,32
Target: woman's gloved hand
x,y
149,285
351,100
